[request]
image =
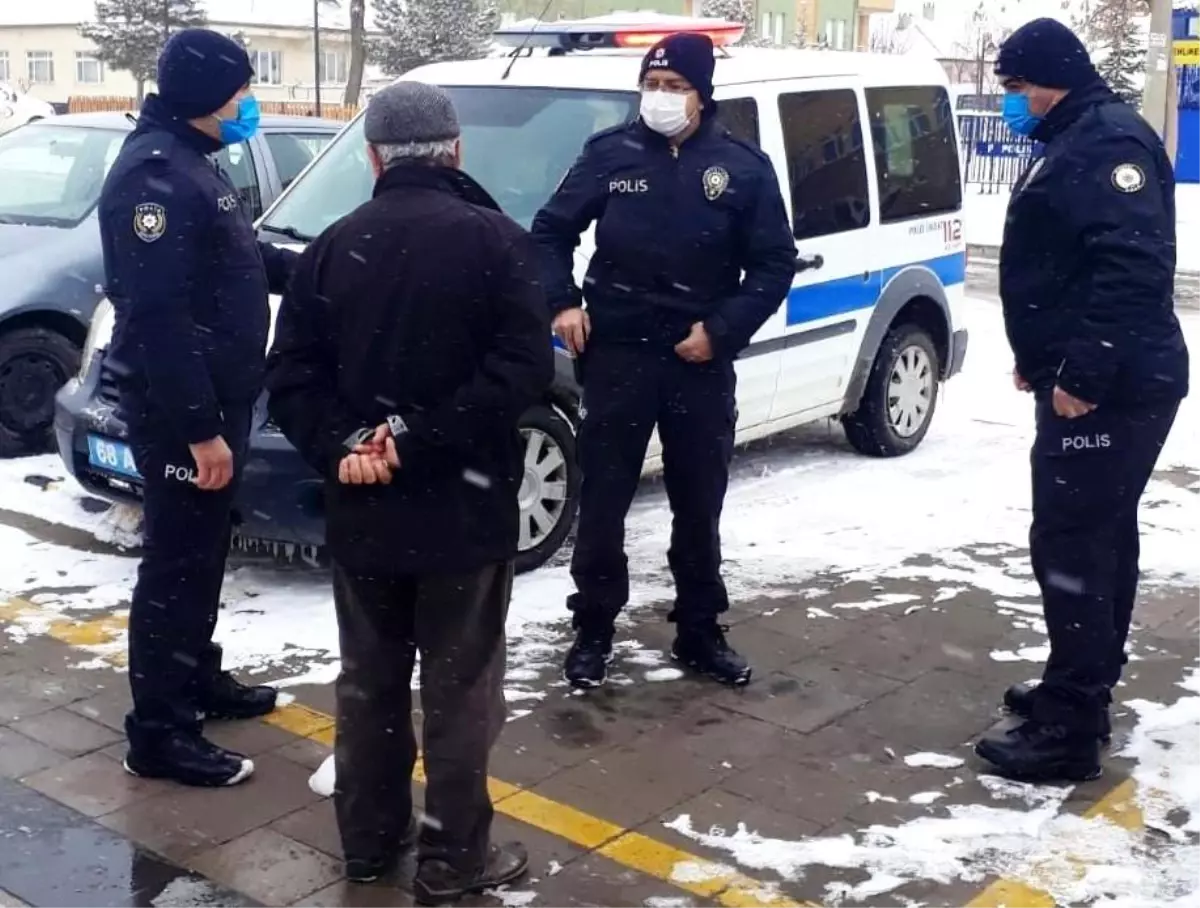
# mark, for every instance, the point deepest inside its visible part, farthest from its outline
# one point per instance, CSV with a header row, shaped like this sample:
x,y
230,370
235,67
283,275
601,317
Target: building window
x,y
5,76
334,67
88,70
780,20
40,64
916,157
765,29
827,166
268,67
839,34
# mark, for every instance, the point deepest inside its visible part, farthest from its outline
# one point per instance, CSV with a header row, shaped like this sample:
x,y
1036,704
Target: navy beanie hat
x,y
688,54
200,70
1045,52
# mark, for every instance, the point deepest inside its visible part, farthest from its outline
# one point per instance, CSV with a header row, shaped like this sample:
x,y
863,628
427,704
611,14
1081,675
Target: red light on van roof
x,y
721,35
618,30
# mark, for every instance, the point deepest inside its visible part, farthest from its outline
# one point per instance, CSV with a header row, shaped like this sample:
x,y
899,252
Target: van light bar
x,y
614,31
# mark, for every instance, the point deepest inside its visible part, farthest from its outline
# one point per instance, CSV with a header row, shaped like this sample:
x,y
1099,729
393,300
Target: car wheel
x,y
34,364
901,394
549,493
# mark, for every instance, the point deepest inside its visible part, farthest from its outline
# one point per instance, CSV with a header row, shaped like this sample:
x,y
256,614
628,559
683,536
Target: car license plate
x,y
113,456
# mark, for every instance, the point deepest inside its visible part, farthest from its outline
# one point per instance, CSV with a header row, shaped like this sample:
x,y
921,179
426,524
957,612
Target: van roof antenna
x,y
525,41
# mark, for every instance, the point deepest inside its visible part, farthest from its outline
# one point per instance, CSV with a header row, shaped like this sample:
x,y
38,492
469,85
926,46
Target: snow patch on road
x,y
937,761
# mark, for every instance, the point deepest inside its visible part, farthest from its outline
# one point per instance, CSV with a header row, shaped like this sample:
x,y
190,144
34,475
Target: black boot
x,y
437,882
1019,699
228,698
587,661
219,695
188,758
702,648
1033,752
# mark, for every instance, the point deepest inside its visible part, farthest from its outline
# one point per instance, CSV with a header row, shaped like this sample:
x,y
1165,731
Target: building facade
x,y
43,52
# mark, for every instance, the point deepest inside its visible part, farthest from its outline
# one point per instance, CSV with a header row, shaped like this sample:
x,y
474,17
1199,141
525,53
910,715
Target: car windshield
x,y
51,175
517,142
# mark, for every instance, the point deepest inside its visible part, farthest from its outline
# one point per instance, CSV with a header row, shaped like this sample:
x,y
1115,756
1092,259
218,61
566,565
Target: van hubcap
x,y
543,494
910,391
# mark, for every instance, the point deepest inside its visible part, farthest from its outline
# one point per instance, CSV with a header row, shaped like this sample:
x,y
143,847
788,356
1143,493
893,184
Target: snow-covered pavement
x,y
893,575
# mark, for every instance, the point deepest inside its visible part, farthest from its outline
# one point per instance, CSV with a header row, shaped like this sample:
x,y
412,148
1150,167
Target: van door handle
x,y
805,264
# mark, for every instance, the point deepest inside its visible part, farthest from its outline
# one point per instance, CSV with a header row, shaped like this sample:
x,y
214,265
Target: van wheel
x,y
901,394
34,364
549,494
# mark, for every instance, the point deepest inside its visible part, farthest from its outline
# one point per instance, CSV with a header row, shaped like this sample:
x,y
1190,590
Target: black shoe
x,y
1032,752
370,869
437,882
587,661
703,649
190,759
228,698
1019,698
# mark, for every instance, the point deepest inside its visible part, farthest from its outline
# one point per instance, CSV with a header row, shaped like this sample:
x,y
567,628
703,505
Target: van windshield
x,y
517,142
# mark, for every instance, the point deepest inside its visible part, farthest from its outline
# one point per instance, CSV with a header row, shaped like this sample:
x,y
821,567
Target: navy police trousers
x,y
627,391
186,535
1088,476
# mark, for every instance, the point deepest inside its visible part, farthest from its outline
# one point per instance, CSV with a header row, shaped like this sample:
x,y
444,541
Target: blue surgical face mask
x,y
1016,114
246,123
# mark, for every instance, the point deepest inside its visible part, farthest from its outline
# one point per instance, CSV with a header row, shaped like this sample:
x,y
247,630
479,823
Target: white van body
x,y
820,333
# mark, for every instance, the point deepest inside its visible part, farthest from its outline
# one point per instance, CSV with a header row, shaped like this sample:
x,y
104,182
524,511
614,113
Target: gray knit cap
x,y
408,113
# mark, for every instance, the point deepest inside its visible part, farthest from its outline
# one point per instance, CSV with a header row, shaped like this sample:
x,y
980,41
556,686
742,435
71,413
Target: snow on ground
x,y
1076,860
796,509
983,221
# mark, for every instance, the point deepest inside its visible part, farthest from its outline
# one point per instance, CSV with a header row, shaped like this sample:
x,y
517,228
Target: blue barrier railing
x,y
993,155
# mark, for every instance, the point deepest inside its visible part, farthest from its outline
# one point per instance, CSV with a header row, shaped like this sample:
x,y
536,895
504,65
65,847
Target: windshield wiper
x,y
290,232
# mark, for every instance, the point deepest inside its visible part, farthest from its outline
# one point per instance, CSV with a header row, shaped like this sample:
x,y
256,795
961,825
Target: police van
x,y
867,154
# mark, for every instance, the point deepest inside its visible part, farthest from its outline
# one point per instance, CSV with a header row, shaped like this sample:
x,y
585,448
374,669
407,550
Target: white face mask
x,y
665,112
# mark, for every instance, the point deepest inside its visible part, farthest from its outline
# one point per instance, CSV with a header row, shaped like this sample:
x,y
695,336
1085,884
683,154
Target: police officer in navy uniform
x,y
1086,280
682,210
189,283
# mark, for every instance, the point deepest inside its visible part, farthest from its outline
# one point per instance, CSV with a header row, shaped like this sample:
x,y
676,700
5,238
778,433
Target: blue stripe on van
x,y
847,294
860,291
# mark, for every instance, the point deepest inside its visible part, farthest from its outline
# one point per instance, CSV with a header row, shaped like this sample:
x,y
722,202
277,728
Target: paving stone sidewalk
x,y
845,688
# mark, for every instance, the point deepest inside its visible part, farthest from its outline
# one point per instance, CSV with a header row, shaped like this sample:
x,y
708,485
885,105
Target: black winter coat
x,y
1087,268
693,234
186,276
423,303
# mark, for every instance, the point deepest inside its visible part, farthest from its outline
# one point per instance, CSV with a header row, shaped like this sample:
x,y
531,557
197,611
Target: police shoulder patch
x,y
1128,178
149,221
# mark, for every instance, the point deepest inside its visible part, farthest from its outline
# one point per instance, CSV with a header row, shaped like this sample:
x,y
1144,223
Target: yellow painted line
x,y
1119,806
631,849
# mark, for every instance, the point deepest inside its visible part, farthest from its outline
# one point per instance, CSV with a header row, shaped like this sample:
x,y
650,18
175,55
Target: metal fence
x,y
993,155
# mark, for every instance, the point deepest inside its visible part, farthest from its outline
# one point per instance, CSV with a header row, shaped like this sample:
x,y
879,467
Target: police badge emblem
x,y
149,221
1128,178
716,181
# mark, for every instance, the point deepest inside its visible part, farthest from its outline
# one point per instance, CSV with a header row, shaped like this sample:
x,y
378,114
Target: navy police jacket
x,y
676,229
1087,268
187,277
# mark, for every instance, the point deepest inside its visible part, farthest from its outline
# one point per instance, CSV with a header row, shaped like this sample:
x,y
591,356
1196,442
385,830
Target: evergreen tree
x,y
130,34
738,11
416,32
1124,58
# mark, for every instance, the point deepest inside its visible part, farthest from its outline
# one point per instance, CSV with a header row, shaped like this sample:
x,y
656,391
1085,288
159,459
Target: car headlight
x,y
98,337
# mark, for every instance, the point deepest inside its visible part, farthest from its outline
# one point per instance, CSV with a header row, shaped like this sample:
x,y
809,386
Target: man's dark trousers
x,y
627,391
456,623
1088,476
186,532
